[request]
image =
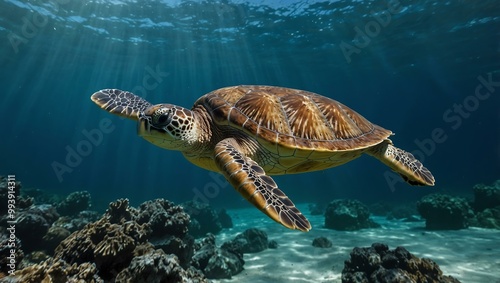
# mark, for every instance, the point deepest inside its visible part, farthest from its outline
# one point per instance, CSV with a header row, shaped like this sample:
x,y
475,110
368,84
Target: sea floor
x,y
470,255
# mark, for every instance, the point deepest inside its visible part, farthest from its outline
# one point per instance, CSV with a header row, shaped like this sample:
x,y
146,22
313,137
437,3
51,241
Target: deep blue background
x,y
426,59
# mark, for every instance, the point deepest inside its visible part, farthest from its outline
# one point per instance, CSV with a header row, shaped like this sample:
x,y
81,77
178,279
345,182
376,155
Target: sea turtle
x,y
250,132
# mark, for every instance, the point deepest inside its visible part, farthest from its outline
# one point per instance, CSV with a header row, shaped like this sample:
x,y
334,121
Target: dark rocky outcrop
x,y
322,242
204,219
348,215
379,264
250,241
217,263
486,196
444,212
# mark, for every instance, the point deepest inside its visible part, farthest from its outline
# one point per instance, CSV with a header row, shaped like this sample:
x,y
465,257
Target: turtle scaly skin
x,y
248,133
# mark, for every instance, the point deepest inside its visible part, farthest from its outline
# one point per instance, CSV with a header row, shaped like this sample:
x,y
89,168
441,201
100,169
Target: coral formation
x,y
169,228
109,242
225,219
444,212
487,206
250,241
32,224
54,236
150,243
486,196
74,203
109,245
379,264
77,222
217,262
164,217
53,270
34,258
119,246
348,215
5,251
181,247
22,202
322,242
204,219
272,244
158,267
488,218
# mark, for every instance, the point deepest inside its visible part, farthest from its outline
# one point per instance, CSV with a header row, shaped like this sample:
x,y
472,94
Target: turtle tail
x,y
402,162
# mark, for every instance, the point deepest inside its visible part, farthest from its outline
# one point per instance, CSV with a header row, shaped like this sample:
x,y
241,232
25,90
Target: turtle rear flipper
x,y
121,103
250,180
403,162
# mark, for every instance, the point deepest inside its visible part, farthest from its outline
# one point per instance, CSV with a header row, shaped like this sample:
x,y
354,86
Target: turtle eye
x,y
162,117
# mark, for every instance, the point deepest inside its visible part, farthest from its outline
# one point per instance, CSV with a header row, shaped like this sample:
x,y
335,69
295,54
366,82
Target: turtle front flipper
x,y
403,162
250,180
121,103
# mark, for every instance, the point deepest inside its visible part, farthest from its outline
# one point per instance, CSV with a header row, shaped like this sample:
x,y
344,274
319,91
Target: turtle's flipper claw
x,y
250,180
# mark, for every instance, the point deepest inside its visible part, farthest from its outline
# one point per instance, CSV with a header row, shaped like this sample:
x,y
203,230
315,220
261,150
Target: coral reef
x,y
77,222
6,258
117,247
487,206
74,203
54,236
150,243
250,241
158,267
32,224
110,242
164,217
272,244
169,228
57,271
379,264
217,263
225,219
22,202
34,258
488,218
486,196
322,242
348,215
204,219
444,212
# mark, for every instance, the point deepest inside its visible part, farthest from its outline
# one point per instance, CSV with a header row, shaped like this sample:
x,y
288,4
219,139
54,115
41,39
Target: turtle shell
x,y
291,118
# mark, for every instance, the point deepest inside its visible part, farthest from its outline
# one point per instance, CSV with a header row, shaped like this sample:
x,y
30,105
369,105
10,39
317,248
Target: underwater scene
x,y
249,141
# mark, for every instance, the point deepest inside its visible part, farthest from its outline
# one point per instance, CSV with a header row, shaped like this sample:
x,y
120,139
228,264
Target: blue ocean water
x,y
427,70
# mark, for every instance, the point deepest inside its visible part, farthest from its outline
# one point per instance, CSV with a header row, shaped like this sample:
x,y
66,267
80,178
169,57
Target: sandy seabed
x,y
470,255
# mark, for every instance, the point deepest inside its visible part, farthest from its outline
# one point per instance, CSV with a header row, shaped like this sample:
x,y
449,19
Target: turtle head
x,y
168,126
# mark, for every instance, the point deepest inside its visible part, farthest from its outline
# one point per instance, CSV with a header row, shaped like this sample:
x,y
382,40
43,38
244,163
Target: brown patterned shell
x,y
292,118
